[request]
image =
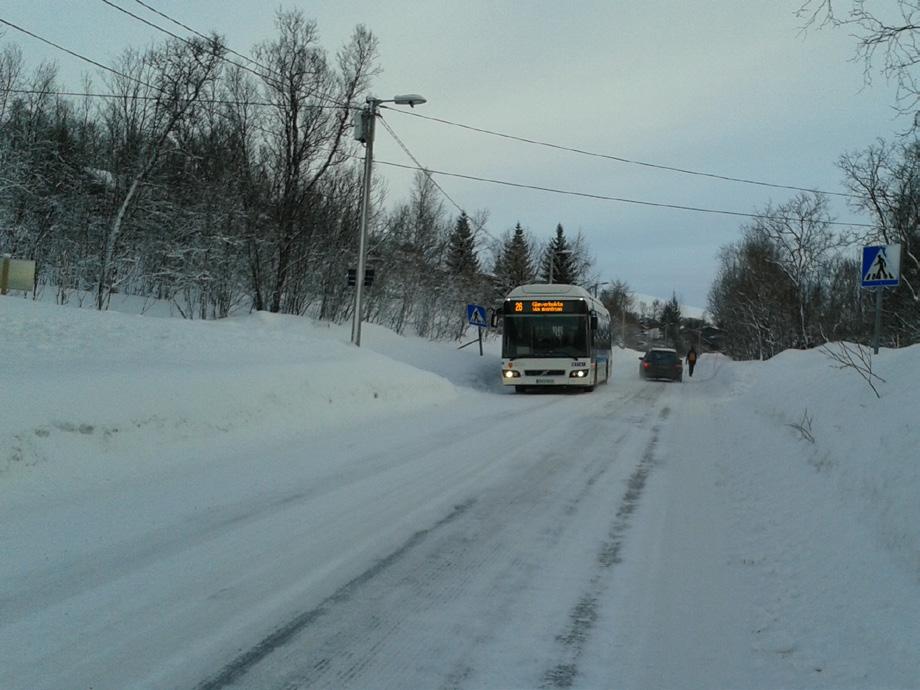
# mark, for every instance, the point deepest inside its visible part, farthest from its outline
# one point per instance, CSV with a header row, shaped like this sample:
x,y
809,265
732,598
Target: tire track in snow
x,y
96,567
460,565
583,615
446,574
239,666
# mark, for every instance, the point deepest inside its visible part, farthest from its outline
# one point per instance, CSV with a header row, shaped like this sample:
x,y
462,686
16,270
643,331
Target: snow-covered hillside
x,y
175,493
86,389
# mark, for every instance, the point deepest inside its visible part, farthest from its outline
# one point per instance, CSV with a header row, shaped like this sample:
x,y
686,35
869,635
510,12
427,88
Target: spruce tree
x,y
670,322
461,249
559,252
514,266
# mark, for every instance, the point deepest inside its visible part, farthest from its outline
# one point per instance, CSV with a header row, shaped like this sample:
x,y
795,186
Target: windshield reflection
x,y
545,336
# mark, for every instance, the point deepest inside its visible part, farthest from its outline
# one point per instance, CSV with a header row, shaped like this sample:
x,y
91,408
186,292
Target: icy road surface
x,y
634,537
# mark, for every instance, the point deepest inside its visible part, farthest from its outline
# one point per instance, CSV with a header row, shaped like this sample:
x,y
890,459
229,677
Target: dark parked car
x,y
661,363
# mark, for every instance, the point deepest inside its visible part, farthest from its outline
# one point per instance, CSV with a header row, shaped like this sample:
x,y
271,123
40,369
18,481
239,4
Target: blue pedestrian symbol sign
x,y
881,266
476,315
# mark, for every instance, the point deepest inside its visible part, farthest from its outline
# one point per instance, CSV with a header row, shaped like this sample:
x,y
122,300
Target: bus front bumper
x,y
573,376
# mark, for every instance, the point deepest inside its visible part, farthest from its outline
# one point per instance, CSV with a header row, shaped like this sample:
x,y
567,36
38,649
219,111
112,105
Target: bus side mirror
x,y
593,322
495,318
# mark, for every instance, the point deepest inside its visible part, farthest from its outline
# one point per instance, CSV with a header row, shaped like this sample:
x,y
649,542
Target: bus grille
x,y
544,372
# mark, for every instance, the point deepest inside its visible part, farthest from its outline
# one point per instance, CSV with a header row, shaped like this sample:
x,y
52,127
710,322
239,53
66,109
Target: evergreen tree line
x,y
220,187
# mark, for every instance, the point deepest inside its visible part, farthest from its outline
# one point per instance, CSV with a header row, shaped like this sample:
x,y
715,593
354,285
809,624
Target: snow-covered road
x,y
645,535
466,542
501,590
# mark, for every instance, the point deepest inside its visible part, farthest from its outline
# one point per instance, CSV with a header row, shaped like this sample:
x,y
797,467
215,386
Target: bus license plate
x,y
545,381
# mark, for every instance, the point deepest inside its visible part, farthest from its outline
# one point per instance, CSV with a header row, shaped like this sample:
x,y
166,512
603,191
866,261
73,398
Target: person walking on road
x,y
691,359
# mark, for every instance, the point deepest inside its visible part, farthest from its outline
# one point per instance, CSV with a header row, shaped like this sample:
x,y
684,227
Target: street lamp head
x,y
410,99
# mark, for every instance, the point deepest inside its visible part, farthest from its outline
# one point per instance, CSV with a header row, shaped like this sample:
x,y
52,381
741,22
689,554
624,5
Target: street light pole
x,y
368,117
364,131
595,286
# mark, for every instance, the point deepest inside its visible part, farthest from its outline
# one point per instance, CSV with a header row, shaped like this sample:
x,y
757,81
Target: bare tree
x,y
11,68
801,233
306,126
412,251
885,178
751,300
886,35
31,167
159,89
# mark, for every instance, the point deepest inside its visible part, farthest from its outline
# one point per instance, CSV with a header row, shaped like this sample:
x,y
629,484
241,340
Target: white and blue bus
x,y
554,335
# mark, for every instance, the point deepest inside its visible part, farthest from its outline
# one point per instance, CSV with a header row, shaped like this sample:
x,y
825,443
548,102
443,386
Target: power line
x,y
177,36
620,159
429,171
112,70
481,227
78,55
260,75
602,197
200,35
215,101
419,165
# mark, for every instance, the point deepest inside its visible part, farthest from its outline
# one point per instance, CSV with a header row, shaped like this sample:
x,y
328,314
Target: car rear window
x,y
656,357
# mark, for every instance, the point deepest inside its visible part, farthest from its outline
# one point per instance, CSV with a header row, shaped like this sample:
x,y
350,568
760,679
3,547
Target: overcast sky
x,y
720,86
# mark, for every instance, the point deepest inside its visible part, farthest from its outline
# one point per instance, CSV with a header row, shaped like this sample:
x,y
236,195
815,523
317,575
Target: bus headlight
x,y
511,374
578,373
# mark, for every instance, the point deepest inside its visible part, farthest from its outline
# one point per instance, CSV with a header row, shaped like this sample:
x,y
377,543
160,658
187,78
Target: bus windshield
x,y
545,336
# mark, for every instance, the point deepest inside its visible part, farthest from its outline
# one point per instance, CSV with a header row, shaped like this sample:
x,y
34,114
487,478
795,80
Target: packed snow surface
x,y
255,502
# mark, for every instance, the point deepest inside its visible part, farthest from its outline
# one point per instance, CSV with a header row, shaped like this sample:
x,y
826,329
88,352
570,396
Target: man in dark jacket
x,y
691,359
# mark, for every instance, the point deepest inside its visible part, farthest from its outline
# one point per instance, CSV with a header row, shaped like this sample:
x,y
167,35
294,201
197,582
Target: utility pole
x,y
364,131
368,117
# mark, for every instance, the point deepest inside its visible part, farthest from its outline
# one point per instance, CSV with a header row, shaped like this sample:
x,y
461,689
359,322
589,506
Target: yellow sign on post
x,y
16,274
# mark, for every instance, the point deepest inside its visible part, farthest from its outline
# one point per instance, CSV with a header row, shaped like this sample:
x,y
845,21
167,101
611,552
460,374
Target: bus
x,y
554,335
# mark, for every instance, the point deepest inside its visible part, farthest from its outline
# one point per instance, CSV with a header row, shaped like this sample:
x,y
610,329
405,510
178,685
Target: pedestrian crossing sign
x,y
476,315
881,266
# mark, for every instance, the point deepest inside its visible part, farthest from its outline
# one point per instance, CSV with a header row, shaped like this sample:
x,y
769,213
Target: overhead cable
x,y
261,75
214,101
201,35
78,55
406,150
620,159
602,197
176,36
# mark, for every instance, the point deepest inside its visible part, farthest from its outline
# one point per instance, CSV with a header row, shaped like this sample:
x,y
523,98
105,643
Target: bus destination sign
x,y
550,306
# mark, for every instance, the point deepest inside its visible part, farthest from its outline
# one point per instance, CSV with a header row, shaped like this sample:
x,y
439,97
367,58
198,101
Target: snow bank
x,y
82,388
867,445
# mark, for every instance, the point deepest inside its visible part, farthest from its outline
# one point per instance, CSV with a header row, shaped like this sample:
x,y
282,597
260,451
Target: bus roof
x,y
560,291
544,290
